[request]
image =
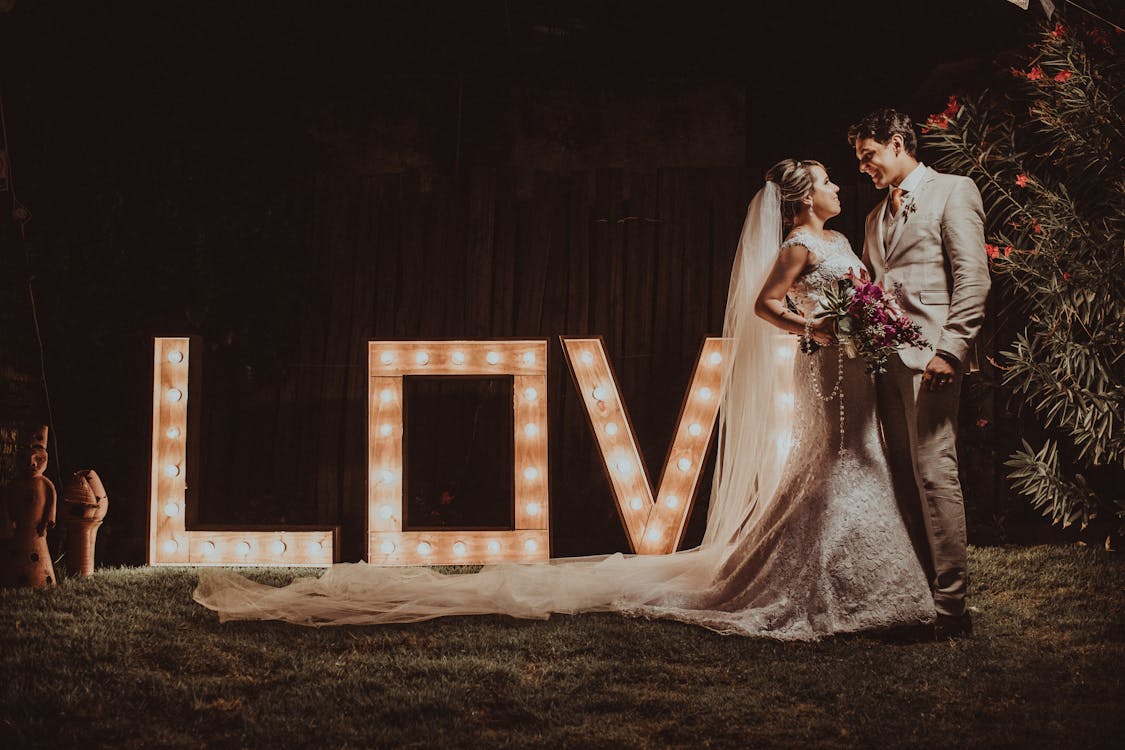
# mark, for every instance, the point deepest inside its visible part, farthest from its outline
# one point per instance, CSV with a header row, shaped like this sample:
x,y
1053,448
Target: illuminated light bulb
x,y
531,394
175,357
172,509
654,534
242,548
207,548
386,476
705,393
386,358
171,545
278,547
533,509
530,545
531,429
315,548
683,464
387,395
611,428
587,358
173,433
422,358
173,394
387,547
531,473
172,470
494,547
460,549
623,466
493,358
599,393
715,358
695,429
385,430
424,548
636,503
385,512
458,358
671,501
529,358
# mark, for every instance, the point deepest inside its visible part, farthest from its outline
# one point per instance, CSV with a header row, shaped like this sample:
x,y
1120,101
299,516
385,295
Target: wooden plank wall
x,y
640,258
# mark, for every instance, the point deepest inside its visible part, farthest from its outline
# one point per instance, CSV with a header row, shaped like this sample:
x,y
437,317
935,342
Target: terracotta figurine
x,y
30,502
84,506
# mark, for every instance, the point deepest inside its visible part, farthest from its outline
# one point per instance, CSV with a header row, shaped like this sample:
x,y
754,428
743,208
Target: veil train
x,y
752,450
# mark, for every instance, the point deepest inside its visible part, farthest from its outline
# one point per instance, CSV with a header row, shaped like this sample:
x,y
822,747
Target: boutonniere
x,y
908,207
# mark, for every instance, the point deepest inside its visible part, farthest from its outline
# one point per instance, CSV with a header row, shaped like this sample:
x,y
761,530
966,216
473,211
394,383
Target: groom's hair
x,y
881,125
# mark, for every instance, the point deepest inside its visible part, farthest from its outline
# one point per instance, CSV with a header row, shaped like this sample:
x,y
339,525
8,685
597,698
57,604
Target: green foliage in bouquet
x,y
1048,153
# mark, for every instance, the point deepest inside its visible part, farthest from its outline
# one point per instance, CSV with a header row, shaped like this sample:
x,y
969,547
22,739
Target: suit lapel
x,y
874,239
902,223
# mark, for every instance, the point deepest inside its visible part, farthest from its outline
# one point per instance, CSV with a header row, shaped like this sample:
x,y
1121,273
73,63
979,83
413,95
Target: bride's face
x,y
824,200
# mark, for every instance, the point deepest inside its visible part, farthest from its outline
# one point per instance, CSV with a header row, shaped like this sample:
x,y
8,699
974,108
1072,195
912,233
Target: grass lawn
x,y
126,659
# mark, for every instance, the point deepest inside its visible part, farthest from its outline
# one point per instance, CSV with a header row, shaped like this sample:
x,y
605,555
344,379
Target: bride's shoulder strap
x,y
798,237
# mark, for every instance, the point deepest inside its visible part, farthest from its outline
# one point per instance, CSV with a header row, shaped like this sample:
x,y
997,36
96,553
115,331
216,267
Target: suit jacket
x,y
936,263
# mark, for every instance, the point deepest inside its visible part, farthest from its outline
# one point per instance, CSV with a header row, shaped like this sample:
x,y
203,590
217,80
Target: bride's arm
x,y
770,306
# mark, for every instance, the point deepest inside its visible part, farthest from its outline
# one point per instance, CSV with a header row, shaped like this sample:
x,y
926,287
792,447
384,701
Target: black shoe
x,y
952,627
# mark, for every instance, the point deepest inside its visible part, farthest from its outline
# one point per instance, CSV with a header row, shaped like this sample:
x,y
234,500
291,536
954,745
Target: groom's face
x,y
877,160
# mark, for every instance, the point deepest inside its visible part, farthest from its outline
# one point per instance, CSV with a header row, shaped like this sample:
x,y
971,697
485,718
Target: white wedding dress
x,y
797,546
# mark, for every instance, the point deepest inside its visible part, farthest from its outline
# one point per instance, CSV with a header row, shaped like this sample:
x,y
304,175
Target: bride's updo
x,y
795,181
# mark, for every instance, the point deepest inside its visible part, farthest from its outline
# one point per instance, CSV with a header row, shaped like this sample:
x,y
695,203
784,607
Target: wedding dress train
x,y
799,544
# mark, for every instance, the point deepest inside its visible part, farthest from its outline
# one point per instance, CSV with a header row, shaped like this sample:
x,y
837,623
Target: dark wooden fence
x,y
642,259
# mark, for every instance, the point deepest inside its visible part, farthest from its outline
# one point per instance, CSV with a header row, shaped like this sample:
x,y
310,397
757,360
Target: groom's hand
x,y
938,374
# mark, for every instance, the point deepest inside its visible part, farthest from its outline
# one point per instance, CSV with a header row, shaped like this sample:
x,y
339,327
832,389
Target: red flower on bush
x,y
1058,31
1008,250
991,250
1066,276
1035,73
1063,75
953,107
1022,180
982,423
941,122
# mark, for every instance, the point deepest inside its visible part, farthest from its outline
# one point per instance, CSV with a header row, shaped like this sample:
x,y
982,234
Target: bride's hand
x,y
823,331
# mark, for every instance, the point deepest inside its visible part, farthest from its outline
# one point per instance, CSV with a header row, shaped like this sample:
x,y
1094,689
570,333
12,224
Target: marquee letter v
x,y
654,524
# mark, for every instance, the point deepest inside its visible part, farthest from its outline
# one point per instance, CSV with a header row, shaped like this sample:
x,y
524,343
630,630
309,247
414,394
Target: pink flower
x,y
1021,180
1058,31
1035,73
1066,276
982,423
1063,76
1008,251
953,107
991,250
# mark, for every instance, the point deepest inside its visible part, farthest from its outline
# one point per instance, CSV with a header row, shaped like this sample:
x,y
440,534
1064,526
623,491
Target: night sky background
x,y
183,163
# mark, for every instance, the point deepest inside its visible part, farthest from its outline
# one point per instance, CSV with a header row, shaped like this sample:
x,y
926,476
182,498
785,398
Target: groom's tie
x,y
896,200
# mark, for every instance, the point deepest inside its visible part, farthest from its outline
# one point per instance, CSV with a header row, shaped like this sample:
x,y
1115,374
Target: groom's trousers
x,y
920,430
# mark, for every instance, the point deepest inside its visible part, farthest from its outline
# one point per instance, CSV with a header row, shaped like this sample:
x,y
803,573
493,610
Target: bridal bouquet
x,y
869,321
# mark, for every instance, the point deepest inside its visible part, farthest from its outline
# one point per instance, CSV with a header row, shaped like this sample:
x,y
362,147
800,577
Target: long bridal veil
x,y
752,449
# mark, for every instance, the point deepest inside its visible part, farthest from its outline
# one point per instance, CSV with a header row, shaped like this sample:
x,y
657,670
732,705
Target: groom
x,y
925,240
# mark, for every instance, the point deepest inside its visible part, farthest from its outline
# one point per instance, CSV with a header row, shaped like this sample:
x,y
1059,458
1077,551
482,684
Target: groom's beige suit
x,y
931,253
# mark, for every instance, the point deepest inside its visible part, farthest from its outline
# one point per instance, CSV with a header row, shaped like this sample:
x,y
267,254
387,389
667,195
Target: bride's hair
x,y
795,180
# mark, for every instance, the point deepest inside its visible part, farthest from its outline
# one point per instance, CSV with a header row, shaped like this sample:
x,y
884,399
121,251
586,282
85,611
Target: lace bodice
x,y
833,257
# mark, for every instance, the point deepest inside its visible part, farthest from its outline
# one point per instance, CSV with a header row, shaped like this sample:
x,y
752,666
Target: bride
x,y
802,541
